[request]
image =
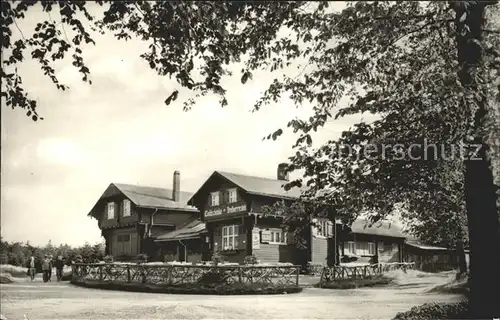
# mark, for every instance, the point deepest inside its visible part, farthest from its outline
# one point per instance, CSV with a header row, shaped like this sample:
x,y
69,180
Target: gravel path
x,y
64,301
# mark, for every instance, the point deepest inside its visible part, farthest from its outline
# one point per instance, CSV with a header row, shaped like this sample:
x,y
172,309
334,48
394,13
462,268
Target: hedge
x,y
355,283
426,311
214,289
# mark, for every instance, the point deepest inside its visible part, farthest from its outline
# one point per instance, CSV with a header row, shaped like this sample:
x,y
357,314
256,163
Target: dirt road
x,y
64,301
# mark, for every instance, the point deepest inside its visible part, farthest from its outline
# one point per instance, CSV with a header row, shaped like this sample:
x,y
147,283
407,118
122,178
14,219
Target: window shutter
x,y
314,230
289,237
242,241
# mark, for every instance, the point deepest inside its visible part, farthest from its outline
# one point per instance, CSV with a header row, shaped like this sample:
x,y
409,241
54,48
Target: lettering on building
x,y
225,210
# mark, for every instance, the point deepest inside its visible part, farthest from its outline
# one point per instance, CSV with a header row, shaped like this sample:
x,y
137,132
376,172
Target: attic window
x,y
126,208
232,195
111,210
214,199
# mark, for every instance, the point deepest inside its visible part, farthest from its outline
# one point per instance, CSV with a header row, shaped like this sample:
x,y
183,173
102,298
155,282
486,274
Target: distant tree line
x,y
18,253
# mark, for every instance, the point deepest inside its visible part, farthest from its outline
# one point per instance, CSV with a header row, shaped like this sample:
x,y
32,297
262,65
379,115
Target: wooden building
x,y
131,216
432,258
380,242
231,206
188,243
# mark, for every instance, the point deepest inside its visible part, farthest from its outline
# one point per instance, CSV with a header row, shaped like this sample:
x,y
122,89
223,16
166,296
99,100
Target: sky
x,y
119,130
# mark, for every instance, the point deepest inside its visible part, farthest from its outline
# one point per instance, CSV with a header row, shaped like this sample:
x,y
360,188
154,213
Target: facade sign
x,y
225,210
255,239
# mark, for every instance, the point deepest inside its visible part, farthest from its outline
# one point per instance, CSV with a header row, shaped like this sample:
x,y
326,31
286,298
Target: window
x,y
278,237
371,248
349,248
365,248
124,244
126,208
111,210
214,199
324,228
124,238
230,237
232,195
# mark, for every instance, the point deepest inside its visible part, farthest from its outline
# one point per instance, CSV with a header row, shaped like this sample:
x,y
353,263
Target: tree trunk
x,y
480,197
462,265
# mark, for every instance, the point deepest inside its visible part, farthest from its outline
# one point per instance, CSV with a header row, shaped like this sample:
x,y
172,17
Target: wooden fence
x,y
362,272
188,274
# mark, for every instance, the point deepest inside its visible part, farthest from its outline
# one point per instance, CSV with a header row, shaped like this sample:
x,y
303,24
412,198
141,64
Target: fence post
x,y
297,273
364,272
100,273
240,271
129,279
169,274
143,274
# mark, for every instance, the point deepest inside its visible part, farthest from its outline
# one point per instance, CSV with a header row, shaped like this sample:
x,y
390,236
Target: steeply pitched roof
x,y
191,230
144,196
381,228
258,185
150,197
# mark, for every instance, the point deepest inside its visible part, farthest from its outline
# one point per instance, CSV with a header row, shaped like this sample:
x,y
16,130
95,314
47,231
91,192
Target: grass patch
x,y
426,311
355,283
453,287
6,278
14,271
214,289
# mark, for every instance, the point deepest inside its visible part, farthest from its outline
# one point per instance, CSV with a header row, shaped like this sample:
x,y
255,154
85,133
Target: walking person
x,y
46,264
59,264
51,267
31,268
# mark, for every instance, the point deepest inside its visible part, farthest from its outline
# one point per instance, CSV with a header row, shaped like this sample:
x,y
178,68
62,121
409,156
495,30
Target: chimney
x,y
176,190
282,173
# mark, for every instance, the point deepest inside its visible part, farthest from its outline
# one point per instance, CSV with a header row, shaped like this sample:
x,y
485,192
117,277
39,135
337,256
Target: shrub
x,y
15,271
142,258
124,257
217,258
108,259
67,275
330,259
250,260
78,259
457,310
374,260
6,278
346,259
193,288
212,279
355,283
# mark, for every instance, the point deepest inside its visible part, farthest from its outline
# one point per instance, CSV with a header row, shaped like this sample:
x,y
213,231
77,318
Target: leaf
x,y
277,133
172,97
463,17
244,78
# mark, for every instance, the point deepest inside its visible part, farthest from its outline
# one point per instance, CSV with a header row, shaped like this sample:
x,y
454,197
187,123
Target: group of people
x,y
48,264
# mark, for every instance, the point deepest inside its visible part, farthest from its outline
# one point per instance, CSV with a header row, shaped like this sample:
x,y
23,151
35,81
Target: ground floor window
x,y
230,237
349,248
365,248
124,244
360,248
278,237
